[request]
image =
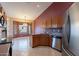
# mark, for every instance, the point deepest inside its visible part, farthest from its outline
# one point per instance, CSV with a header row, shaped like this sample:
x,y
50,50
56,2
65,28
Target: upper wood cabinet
x,y
44,24
60,21
54,22
48,23
57,21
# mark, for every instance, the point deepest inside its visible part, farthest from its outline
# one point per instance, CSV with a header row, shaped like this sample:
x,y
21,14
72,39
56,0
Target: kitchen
x,y
50,29
50,23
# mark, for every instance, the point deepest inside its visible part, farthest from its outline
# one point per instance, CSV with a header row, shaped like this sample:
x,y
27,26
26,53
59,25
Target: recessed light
x,y
38,6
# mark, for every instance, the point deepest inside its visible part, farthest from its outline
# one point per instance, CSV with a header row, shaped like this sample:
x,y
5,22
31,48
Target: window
x,y
23,28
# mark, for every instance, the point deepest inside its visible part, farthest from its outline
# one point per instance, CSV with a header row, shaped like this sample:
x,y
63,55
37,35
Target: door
x,y
66,32
66,36
72,44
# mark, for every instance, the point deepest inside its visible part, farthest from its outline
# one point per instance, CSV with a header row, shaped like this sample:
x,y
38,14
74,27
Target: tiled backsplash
x,y
53,31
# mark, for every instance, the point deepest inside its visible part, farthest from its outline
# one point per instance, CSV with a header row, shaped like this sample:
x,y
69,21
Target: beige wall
x,y
74,11
9,27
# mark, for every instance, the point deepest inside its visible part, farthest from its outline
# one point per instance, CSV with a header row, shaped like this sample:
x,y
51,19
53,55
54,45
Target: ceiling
x,y
25,10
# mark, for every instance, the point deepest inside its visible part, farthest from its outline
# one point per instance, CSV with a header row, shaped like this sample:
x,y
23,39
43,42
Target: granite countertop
x,y
39,34
6,41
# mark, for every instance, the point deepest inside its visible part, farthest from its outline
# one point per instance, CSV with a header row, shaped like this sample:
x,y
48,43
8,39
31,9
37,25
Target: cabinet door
x,y
54,22
43,41
44,24
48,23
59,21
35,41
50,41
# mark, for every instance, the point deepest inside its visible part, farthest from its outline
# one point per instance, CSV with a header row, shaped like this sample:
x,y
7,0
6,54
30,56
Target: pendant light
x,y
25,24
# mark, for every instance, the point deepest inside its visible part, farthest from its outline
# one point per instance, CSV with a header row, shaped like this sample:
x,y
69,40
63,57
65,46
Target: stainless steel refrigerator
x,y
70,46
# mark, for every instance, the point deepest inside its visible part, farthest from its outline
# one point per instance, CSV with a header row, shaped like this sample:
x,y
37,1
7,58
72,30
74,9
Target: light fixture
x,y
38,5
25,24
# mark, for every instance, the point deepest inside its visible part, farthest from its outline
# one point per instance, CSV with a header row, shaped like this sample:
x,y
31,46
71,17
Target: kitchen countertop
x,y
51,35
8,40
57,36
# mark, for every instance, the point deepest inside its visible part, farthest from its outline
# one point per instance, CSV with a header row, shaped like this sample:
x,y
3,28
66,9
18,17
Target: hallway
x,y
22,47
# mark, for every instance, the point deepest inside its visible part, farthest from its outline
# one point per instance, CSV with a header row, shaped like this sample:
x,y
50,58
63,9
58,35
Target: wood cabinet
x,y
35,41
60,21
44,40
48,23
41,40
43,24
52,22
57,21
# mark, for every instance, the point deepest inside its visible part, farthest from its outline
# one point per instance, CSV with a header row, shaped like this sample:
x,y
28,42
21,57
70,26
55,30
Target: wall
x,y
53,14
9,27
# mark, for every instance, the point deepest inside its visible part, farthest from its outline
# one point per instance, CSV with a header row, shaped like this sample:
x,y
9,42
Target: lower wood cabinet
x,y
41,40
35,41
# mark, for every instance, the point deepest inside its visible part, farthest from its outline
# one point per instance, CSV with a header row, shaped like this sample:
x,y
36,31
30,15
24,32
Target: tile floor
x,y
22,47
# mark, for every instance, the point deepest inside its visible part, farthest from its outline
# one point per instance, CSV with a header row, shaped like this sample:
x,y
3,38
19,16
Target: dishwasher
x,y
56,43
